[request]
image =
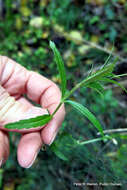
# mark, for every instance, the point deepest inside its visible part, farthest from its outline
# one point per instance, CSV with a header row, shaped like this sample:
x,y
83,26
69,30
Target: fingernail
x,y
53,138
1,162
31,163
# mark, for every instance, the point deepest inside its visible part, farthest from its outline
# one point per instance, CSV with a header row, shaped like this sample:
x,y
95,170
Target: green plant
x,y
94,80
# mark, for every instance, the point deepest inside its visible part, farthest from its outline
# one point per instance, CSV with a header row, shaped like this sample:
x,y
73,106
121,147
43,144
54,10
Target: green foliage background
x,y
26,27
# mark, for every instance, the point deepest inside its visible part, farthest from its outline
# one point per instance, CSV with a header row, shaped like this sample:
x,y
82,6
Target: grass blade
x,y
84,111
60,66
30,123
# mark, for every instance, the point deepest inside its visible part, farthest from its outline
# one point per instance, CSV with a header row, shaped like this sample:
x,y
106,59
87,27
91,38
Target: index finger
x,y
48,95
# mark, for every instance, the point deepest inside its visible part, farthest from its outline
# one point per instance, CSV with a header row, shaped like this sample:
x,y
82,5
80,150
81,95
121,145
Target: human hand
x,y
17,81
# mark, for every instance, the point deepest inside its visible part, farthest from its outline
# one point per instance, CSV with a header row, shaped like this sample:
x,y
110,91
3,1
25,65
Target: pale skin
x,y
17,81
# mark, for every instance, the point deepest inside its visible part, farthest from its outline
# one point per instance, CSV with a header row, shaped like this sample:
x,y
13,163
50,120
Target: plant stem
x,y
92,141
90,79
122,75
72,91
66,96
59,105
82,83
114,131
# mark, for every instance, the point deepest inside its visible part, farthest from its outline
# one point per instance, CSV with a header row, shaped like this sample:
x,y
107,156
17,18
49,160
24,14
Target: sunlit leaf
x,y
60,66
30,123
84,111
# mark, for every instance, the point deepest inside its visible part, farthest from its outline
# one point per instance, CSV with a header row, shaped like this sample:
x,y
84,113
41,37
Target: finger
x,y
48,95
16,79
50,131
28,149
4,147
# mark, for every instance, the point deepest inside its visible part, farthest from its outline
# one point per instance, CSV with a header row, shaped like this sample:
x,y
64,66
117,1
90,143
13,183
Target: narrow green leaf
x,y
118,76
60,66
114,82
30,123
96,86
84,111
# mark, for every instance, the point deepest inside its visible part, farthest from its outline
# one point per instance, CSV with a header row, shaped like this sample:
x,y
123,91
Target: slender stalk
x,y
59,105
93,140
66,96
72,91
122,75
114,131
82,83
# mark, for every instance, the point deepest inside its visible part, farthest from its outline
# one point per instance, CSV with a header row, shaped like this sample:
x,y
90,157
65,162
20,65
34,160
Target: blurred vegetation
x,y
84,31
